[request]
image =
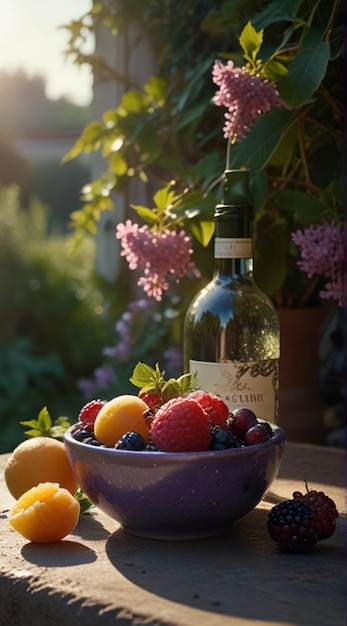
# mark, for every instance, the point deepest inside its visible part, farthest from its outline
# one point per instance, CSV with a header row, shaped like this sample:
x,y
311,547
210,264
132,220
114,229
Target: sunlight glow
x,y
30,40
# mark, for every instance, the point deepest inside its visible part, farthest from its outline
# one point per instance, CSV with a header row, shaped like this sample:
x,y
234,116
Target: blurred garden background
x,y
73,320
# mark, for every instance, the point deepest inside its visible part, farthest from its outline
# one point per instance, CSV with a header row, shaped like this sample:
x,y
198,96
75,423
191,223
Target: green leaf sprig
x,y
43,426
150,379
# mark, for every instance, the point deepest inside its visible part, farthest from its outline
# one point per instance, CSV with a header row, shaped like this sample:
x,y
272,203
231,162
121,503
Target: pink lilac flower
x,y
88,387
246,97
91,387
121,352
322,254
173,361
103,376
139,305
162,256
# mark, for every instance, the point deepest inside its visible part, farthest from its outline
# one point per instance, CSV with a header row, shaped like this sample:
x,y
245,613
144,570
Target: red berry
x,y
154,399
292,526
89,412
214,406
323,508
241,420
256,434
181,425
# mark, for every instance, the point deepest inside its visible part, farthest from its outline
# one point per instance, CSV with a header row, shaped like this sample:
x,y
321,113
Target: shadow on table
x,y
61,554
240,573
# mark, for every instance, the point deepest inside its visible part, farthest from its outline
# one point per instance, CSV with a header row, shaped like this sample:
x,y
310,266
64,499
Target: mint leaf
x,y
43,427
44,420
33,432
83,500
61,424
187,382
145,377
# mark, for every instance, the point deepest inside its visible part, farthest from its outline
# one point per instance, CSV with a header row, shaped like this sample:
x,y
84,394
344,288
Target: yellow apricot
x,y
39,460
45,513
119,416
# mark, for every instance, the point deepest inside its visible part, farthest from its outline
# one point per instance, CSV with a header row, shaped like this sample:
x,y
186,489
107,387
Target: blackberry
x,y
223,439
131,441
292,526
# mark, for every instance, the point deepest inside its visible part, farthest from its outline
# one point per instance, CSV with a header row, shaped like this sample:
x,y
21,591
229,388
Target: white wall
x,y
128,54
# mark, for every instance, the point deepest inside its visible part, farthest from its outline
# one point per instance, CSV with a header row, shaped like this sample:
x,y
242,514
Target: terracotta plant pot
x,y
300,402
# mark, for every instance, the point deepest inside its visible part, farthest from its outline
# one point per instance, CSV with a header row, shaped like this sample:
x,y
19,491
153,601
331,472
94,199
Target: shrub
x,y
52,325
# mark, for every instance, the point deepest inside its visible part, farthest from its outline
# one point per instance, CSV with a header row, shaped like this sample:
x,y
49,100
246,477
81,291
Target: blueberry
x,y
268,428
83,434
131,441
223,439
150,447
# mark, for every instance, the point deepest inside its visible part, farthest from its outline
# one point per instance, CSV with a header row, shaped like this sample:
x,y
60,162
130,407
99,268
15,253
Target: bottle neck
x,y
233,254
232,268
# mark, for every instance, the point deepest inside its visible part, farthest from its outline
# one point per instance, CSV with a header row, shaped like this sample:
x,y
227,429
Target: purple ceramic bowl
x,y
176,495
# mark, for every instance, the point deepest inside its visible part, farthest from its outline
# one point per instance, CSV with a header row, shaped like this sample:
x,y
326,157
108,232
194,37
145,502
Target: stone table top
x,y
101,575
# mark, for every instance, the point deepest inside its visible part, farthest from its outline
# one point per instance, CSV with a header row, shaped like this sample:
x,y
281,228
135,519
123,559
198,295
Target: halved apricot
x,y
45,514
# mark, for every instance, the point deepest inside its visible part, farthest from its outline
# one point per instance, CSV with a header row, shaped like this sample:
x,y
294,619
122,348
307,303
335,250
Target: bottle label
x,y
252,384
232,248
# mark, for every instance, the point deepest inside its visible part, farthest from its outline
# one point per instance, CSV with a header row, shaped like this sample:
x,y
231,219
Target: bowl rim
x,y
278,437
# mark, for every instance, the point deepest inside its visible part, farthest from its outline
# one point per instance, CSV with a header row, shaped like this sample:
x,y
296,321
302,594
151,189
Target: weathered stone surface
x,y
99,574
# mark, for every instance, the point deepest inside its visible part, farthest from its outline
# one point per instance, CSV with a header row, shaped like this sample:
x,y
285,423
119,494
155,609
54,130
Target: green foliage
x,y
51,324
83,500
151,379
43,426
173,132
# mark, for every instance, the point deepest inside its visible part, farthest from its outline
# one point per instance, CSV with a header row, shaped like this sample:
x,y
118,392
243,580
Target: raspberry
x,y
154,399
213,405
323,508
89,412
292,526
181,425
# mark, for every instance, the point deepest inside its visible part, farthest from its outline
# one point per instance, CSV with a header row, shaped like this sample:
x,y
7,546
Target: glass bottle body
x,y
231,330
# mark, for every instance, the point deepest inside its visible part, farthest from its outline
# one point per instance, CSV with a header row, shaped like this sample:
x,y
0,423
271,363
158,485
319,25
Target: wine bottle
x,y
231,329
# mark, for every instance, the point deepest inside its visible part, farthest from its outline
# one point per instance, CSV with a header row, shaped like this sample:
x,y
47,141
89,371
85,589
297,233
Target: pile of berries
x,y
296,525
194,421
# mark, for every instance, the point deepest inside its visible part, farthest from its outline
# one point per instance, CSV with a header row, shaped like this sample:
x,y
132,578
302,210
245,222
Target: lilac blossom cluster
x,y
129,330
162,256
105,375
322,254
245,96
92,387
